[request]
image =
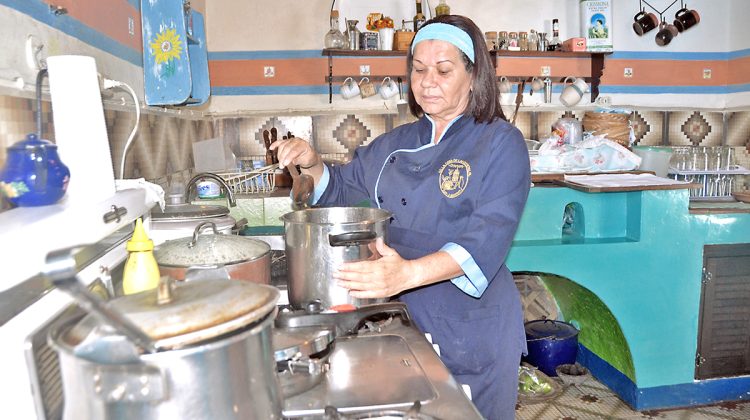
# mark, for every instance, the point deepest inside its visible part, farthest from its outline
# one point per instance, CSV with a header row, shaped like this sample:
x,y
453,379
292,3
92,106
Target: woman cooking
x,y
456,182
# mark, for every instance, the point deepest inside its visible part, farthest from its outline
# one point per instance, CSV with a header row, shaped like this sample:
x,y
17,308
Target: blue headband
x,y
447,33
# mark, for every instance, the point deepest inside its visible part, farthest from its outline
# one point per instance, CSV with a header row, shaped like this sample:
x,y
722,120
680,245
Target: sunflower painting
x,y
166,48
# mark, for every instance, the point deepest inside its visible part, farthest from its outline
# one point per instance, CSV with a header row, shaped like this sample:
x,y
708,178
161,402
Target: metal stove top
x,y
386,369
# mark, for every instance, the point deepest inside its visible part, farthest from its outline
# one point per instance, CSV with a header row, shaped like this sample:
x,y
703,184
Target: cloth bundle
x,y
593,154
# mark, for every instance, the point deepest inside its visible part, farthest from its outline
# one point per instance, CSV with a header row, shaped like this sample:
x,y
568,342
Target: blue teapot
x,y
33,174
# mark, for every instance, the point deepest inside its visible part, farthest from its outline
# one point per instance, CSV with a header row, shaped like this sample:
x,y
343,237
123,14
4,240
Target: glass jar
x,y
502,40
523,41
533,41
513,41
335,38
490,39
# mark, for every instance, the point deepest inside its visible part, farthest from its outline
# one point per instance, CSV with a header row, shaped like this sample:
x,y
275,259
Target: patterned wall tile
x,y
695,128
647,127
738,129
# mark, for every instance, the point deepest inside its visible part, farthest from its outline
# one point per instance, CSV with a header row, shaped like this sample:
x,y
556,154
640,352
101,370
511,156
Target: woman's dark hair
x,y
484,98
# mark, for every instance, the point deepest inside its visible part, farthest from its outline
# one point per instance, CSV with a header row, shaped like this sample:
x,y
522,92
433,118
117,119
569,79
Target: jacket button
x,y
380,199
403,201
392,159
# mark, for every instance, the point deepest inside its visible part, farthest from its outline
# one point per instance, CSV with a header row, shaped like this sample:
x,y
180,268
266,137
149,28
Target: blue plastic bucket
x,y
551,343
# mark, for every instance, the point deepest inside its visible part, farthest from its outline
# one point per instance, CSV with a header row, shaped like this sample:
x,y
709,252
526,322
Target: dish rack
x,y
256,181
715,185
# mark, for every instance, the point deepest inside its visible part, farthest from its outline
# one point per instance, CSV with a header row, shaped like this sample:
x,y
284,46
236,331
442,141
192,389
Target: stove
x,y
380,367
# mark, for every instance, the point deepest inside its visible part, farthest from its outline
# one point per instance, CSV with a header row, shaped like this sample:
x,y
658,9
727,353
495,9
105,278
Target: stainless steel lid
x,y
195,312
210,248
289,343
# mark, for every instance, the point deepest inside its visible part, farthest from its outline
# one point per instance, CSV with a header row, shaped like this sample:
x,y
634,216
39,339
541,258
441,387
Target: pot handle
x,y
134,382
197,231
351,238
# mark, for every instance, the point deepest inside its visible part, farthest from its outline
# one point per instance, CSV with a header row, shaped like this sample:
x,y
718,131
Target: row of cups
x,y
703,158
350,88
573,88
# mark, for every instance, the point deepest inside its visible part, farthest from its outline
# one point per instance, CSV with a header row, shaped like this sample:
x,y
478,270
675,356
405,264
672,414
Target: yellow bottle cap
x,y
140,241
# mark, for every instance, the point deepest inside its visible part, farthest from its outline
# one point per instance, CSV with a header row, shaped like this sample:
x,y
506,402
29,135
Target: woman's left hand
x,y
383,277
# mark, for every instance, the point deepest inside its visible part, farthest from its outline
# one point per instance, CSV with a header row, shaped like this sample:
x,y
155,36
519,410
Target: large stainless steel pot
x,y
244,258
318,240
213,359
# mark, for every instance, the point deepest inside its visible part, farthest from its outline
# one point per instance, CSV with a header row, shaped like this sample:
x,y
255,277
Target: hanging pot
x,y
243,258
212,359
550,344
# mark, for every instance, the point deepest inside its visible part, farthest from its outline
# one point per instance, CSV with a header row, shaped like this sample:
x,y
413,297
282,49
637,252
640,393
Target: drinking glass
x,y
727,158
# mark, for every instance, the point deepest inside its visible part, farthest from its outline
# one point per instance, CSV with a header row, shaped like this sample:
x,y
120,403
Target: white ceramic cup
x,y
573,92
505,85
537,84
388,88
349,89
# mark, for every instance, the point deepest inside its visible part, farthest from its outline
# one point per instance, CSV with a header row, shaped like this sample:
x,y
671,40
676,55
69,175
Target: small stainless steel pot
x,y
318,240
213,357
179,220
301,357
244,258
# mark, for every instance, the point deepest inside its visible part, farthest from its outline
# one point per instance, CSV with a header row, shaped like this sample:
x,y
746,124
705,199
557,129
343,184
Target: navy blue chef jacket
x,y
464,195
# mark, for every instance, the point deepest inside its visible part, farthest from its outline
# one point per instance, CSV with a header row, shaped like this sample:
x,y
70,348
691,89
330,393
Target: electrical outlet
x,y
269,71
627,72
131,26
364,70
545,71
706,73
604,100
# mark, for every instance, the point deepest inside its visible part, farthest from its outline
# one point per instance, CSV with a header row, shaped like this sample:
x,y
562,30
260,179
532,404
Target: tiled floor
x,y
592,400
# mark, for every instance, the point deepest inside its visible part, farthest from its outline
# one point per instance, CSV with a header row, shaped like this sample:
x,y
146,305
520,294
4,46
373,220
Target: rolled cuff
x,y
322,184
473,282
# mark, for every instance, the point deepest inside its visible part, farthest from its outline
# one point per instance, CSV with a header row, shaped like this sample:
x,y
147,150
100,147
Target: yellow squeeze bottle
x,y
141,271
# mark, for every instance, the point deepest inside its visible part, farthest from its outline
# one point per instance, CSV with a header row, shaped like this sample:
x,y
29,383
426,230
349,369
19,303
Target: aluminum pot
x,y
214,357
318,240
243,258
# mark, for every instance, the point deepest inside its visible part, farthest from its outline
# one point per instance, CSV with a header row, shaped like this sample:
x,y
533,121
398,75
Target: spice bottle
x,y
490,39
502,40
141,270
523,41
533,41
513,41
442,9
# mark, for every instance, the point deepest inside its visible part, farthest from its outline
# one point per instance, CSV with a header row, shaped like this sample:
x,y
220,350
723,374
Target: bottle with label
x,y
141,270
554,43
442,9
513,41
523,41
502,40
334,38
419,18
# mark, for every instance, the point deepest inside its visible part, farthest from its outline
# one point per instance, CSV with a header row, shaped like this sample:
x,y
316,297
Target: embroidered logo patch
x,y
454,176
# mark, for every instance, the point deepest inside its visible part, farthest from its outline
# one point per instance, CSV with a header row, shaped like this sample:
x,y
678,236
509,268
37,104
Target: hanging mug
x,y
505,85
666,34
644,22
388,88
349,88
366,88
573,92
537,84
686,19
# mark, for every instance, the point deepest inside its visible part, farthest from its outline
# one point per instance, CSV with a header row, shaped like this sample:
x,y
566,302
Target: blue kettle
x,y
33,174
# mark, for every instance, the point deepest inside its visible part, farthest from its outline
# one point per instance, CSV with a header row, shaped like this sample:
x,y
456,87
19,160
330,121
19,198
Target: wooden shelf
x,y
596,58
597,62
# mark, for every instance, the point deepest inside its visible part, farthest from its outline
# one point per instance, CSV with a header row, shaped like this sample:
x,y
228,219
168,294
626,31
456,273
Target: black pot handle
x,y
351,238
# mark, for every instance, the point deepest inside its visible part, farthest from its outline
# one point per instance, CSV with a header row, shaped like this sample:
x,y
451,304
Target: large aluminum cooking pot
x,y
244,258
318,240
214,357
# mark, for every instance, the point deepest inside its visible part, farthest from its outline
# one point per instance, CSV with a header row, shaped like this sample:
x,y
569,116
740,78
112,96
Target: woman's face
x,y
439,79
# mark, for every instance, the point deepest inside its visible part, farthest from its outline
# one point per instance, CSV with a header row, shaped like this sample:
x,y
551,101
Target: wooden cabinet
x,y
724,319
595,69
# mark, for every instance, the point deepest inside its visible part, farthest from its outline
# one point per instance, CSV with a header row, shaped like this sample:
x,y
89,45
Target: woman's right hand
x,y
296,151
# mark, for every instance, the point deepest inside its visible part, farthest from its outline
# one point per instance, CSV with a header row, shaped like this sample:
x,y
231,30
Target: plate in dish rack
x,y
742,196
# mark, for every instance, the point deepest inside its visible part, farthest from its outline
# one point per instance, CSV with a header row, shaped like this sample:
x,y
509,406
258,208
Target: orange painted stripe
x,y
738,71
665,72
531,66
109,17
292,72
